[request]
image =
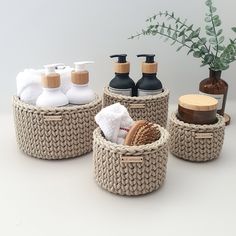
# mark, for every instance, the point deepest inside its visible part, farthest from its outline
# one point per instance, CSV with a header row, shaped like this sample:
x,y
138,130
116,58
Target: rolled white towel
x,y
114,122
28,84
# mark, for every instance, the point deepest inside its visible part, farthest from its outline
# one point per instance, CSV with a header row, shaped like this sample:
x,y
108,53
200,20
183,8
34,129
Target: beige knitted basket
x,y
130,170
196,143
55,133
151,108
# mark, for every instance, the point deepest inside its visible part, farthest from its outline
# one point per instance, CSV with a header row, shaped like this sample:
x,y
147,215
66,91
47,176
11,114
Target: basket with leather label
x,y
131,168
196,142
153,108
55,133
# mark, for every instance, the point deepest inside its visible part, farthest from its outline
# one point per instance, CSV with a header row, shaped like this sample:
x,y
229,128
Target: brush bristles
x,y
147,133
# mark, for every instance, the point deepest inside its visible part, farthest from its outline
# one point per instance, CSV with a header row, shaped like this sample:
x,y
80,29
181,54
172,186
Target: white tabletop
x,y
41,197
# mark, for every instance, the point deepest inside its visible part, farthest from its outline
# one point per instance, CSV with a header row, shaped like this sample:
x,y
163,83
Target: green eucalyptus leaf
x,y
182,33
209,28
221,39
217,23
169,30
213,9
204,40
208,2
209,58
174,36
234,29
179,48
216,17
210,33
213,41
189,28
173,42
191,50
204,50
219,32
208,19
197,54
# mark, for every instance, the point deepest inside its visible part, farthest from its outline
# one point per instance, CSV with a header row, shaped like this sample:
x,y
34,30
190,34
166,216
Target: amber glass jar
x,y
197,109
215,87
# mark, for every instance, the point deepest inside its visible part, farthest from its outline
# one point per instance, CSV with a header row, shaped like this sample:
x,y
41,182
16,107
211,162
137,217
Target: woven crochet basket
x,y
151,108
55,133
196,143
130,170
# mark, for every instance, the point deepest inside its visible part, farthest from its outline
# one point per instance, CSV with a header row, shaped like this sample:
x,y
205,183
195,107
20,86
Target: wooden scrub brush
x,y
142,132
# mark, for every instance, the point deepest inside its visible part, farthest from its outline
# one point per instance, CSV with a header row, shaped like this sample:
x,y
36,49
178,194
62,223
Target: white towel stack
x,y
114,122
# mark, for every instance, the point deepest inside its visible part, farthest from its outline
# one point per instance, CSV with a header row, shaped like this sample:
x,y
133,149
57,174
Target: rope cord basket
x,y
55,133
130,170
151,108
196,143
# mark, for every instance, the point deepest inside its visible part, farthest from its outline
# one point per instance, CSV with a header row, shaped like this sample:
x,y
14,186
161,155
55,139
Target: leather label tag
x,y
137,106
52,118
203,135
131,159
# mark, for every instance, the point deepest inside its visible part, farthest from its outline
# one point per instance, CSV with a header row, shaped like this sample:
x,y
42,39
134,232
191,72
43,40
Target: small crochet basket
x,y
55,133
151,108
130,170
196,143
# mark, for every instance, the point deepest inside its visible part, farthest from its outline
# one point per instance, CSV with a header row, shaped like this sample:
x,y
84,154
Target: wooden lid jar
x,y
197,109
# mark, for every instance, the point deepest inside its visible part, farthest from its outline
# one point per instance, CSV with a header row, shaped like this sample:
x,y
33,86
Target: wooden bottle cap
x,y
51,81
149,68
122,68
80,77
198,102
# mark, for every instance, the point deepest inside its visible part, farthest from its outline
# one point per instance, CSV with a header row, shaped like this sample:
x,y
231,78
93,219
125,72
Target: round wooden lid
x,y
198,102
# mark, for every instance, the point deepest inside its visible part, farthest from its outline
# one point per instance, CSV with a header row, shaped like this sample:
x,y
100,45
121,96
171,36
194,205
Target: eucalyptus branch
x,y
210,49
214,29
183,24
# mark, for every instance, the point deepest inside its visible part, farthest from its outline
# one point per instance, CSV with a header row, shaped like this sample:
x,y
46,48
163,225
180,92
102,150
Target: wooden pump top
x,y
149,68
121,68
80,77
51,80
197,102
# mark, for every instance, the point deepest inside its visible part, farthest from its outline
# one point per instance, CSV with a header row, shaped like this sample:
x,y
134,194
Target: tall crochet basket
x,y
55,133
196,143
151,108
130,170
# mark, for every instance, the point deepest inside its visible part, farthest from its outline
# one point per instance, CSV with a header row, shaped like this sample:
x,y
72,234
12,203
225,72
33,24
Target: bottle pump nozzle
x,y
80,75
121,66
149,57
80,66
121,57
52,67
149,66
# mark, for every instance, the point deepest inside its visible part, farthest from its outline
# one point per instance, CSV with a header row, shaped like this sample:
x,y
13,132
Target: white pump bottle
x,y
80,93
52,95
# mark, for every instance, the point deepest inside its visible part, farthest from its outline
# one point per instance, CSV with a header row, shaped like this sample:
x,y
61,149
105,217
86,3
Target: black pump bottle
x,y
122,83
149,84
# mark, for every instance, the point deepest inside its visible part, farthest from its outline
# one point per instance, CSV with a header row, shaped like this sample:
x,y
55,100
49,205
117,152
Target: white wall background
x,y
34,33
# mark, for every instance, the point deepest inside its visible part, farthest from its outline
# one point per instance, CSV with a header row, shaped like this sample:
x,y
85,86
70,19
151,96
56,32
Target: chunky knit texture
x,y
186,141
151,108
130,178
55,133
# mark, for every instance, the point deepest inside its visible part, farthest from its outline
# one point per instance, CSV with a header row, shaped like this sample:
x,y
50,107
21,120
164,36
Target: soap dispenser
x,y
52,95
149,84
122,83
80,93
